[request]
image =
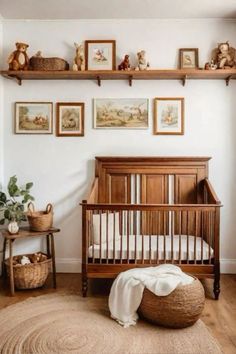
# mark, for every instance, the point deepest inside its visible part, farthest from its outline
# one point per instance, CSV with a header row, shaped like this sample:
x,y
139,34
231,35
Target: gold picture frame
x,y
188,58
168,116
33,118
100,54
70,119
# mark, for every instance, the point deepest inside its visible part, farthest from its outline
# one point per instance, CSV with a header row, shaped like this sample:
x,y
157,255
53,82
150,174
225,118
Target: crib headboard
x,y
151,180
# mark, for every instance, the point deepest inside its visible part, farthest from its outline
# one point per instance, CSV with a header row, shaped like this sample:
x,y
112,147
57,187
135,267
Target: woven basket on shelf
x,y
29,276
44,64
40,220
179,309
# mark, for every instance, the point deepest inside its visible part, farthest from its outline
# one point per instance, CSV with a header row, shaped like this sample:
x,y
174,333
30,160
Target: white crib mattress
x,y
203,250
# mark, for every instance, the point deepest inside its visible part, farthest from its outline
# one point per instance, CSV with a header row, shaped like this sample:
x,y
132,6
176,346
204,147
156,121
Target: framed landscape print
x,y
100,55
121,113
188,58
33,118
169,116
70,119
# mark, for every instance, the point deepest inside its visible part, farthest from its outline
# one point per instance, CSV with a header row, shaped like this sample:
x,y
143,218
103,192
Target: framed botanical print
x,y
121,113
100,55
33,118
169,116
70,119
188,58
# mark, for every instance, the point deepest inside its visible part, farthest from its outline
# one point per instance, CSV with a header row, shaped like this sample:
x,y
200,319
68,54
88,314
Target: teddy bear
x,y
19,60
143,64
79,62
124,65
224,56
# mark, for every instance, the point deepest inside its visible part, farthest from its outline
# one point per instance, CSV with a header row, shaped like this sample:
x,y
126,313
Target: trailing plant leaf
x,y
3,197
2,221
29,185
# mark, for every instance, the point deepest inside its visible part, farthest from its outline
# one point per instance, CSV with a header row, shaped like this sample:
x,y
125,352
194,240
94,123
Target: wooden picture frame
x,y
100,55
33,118
188,58
168,116
70,119
121,113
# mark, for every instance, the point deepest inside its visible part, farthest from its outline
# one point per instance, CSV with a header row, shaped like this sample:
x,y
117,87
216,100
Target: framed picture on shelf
x,y
100,55
33,118
188,58
121,113
70,119
169,116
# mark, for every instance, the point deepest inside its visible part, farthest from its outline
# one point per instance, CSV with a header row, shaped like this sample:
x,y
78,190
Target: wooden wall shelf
x,y
98,76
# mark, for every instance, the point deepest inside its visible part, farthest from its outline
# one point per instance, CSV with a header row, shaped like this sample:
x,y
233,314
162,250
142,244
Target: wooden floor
x,y
219,316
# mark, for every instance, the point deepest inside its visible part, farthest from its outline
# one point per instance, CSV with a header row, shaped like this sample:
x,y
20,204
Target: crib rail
x,y
141,234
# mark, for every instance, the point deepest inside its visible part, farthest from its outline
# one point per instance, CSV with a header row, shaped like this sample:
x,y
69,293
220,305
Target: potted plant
x,y
12,207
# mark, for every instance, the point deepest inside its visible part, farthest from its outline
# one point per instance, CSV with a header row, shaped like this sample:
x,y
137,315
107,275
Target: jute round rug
x,y
69,324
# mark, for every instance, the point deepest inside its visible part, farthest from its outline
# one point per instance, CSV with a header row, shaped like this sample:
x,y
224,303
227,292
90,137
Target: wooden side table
x,y
25,232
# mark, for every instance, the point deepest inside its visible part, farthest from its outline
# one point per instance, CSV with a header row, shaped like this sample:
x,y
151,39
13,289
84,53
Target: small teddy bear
x,y
79,62
143,64
124,65
19,60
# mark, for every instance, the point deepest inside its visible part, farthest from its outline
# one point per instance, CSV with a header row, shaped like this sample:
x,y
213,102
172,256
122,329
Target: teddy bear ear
x,y
76,45
27,45
17,43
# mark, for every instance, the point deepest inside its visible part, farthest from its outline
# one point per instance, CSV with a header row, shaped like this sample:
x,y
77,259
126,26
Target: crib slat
x,y
107,236
114,237
121,239
195,237
209,237
164,223
187,229
100,235
172,236
128,231
202,233
141,231
150,232
180,239
91,232
159,222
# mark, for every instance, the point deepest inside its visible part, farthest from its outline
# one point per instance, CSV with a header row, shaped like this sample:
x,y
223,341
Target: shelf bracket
x,y
18,79
130,80
99,80
184,80
227,80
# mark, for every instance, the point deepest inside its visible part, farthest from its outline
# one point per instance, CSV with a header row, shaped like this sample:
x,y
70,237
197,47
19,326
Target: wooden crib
x,y
145,211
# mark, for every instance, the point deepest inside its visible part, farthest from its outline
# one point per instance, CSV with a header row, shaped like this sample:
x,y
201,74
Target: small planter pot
x,y
13,227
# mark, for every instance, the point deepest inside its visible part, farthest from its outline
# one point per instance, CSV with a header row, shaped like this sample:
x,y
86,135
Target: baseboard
x,y
68,265
73,265
228,266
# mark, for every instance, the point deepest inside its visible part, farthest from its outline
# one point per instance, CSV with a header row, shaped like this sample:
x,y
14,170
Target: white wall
x,y
63,168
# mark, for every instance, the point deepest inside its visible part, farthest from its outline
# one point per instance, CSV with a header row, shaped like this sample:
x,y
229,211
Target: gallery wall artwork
x,y
188,58
70,119
121,113
169,116
100,55
33,118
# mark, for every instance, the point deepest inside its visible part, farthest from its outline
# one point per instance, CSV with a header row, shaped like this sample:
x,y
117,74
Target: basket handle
x,y
49,208
31,208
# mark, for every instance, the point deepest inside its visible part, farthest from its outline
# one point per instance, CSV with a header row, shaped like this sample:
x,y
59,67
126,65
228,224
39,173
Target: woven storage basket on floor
x,y
179,309
40,220
29,276
44,64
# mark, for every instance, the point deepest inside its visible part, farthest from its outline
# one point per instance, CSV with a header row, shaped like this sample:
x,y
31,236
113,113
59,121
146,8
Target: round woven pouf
x,y
180,309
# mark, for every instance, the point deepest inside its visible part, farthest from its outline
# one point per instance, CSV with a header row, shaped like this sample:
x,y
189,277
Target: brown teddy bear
x,y
19,60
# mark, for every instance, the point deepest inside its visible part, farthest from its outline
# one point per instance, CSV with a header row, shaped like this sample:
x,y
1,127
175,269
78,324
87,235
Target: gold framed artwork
x,y
70,119
100,55
188,58
169,116
121,113
33,118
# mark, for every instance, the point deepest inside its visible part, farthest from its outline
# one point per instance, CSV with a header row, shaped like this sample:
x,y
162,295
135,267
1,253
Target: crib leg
x,y
216,286
84,285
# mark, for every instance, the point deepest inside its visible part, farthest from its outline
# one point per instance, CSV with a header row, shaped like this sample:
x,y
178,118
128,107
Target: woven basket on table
x,y
179,309
29,276
40,220
44,64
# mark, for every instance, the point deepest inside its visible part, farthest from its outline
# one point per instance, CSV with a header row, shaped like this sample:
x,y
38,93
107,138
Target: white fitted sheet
x,y
203,251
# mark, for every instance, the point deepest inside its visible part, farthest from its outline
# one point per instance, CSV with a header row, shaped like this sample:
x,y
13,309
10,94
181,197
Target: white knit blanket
x,y
127,290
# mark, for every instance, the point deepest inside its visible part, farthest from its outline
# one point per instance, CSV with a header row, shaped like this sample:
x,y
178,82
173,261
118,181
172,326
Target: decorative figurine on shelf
x,y
125,64
224,56
143,64
19,60
79,62
211,65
